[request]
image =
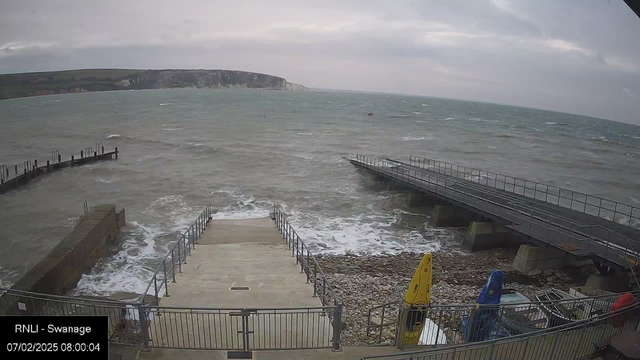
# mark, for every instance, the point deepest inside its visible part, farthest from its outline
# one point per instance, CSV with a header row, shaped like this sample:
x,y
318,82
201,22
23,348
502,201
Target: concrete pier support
x,y
451,216
613,282
484,235
531,257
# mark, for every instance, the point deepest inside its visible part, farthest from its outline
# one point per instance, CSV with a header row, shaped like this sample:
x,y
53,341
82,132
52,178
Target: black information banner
x,y
47,337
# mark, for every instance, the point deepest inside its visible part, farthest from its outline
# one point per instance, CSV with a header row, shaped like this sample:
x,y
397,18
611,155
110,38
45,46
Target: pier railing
x,y
16,175
607,245
611,210
454,324
165,272
567,342
308,264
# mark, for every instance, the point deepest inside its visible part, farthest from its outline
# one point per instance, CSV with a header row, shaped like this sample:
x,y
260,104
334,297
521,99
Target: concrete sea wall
x,y
59,272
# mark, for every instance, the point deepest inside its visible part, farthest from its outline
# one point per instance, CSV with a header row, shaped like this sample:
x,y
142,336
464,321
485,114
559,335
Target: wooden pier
x,y
12,177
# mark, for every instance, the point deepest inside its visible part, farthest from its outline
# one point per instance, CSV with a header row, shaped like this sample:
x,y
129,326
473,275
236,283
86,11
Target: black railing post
x,y
164,269
173,267
144,329
179,258
308,266
315,278
337,326
155,285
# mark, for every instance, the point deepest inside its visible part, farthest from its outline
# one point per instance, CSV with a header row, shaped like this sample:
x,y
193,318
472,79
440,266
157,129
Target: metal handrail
x,y
40,296
538,188
582,307
630,311
442,187
297,246
188,241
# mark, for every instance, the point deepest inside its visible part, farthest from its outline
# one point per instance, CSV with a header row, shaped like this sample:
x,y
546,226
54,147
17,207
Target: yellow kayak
x,y
419,293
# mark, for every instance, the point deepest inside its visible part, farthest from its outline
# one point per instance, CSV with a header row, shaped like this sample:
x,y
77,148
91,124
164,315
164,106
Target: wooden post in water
x,y
116,153
71,160
59,158
47,165
81,154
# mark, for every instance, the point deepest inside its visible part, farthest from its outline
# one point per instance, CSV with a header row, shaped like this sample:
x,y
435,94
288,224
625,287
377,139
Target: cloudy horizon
x,y
572,56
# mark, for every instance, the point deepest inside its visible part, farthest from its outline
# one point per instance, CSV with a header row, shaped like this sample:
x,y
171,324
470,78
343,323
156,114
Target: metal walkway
x,y
585,226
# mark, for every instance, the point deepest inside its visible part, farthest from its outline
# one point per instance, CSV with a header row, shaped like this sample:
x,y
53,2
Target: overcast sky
x,y
579,56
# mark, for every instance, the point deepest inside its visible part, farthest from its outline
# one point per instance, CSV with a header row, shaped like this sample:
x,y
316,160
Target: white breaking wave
x,y
113,136
415,138
143,247
372,234
165,104
241,206
172,129
417,113
551,123
425,105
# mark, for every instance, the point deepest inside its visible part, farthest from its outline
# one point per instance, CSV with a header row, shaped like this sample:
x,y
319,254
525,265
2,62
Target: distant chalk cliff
x,y
61,82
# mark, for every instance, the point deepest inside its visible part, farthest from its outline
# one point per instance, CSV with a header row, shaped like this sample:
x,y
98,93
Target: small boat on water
x,y
561,307
523,317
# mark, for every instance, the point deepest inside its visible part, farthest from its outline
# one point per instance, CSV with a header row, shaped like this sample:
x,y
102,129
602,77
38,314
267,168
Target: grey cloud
x,y
576,56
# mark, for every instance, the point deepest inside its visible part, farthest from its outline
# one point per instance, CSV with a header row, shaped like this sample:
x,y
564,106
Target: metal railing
x,y
150,326
570,341
244,329
308,264
124,319
165,272
611,246
381,317
458,324
611,210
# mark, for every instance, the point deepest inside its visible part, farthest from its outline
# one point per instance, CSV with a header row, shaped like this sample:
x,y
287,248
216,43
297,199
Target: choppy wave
x,y
417,138
241,206
417,112
165,104
142,248
367,234
172,129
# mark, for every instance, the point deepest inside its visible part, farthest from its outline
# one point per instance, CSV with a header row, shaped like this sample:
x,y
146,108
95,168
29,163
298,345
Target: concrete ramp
x,y
241,285
241,263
